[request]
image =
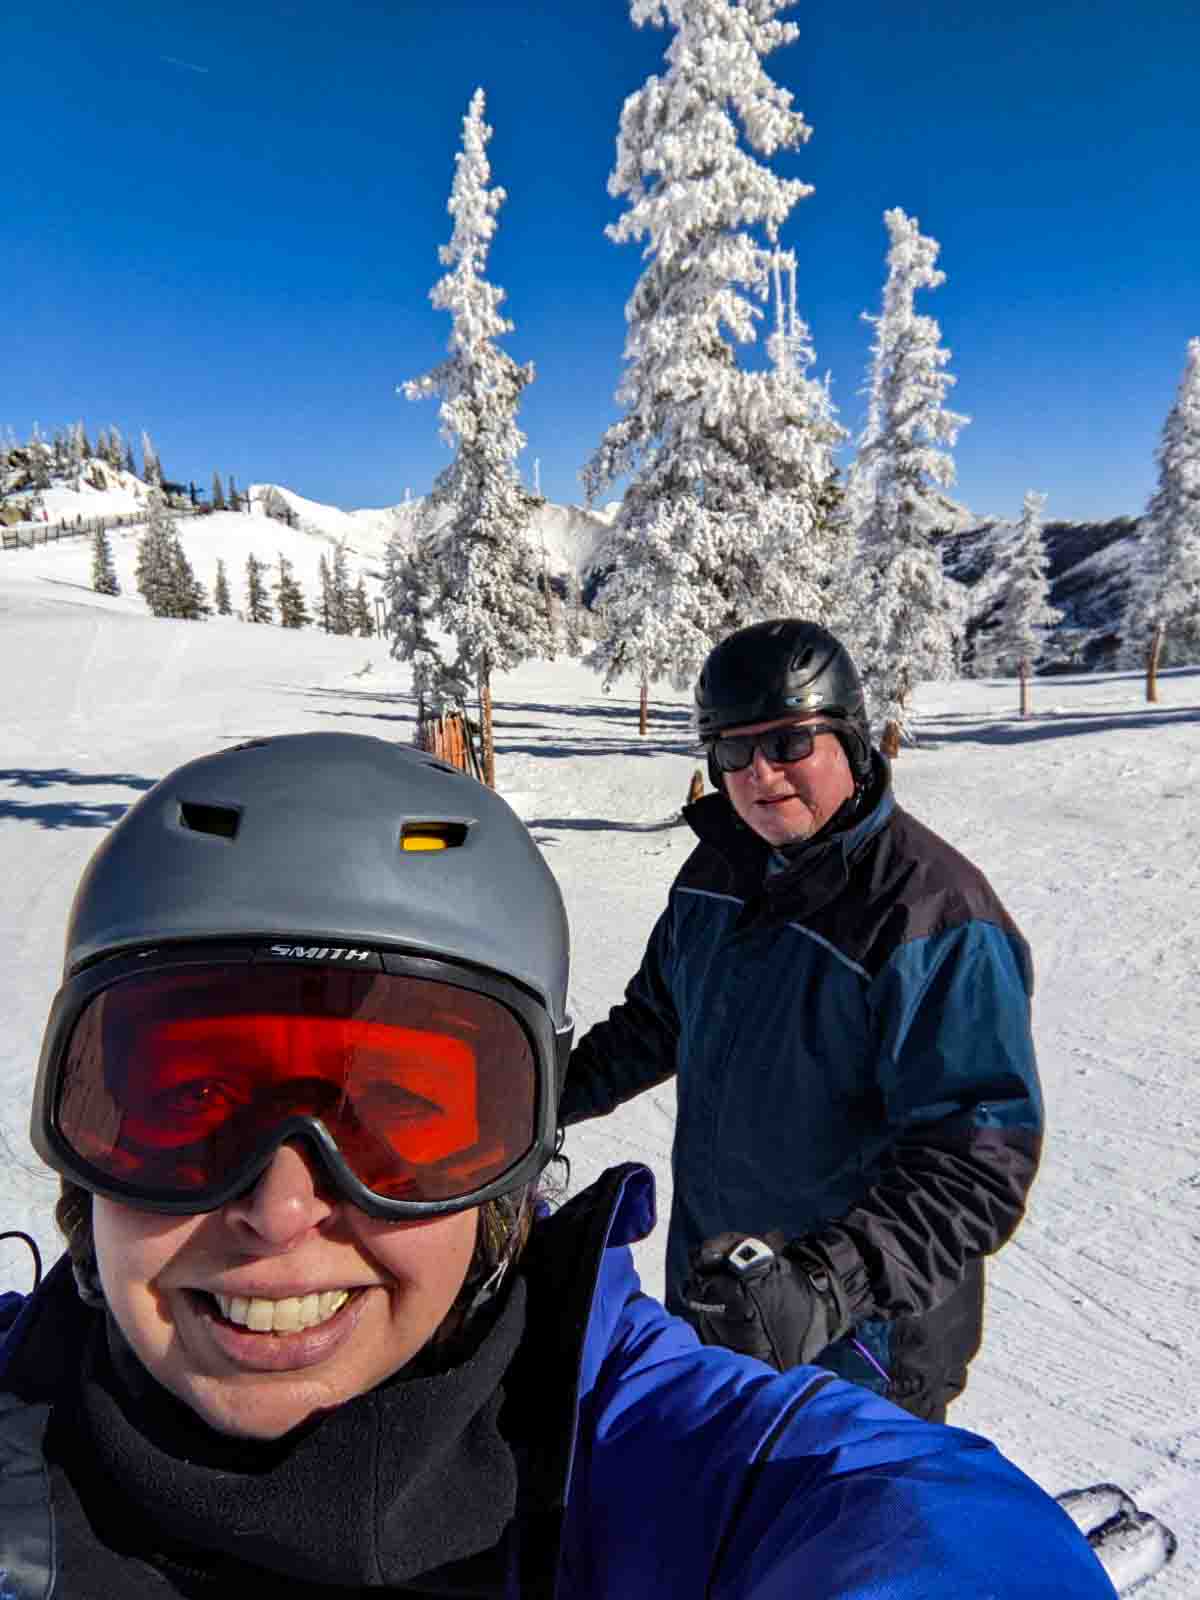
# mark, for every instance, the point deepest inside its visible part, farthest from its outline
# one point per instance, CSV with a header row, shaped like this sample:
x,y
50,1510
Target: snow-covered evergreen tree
x,y
218,493
717,523
79,446
486,590
41,458
114,455
361,621
410,591
154,572
104,573
324,583
1164,601
221,596
235,499
289,597
909,615
339,591
334,579
151,466
1025,611
258,606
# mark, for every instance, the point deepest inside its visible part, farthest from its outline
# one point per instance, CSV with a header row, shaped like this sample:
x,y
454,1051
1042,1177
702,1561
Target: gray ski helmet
x,y
328,838
786,667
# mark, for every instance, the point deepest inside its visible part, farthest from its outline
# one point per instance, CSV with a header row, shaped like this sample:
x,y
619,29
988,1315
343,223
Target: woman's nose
x,y
285,1204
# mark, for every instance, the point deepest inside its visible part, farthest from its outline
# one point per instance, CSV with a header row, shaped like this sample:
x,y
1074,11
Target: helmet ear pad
x,y
858,751
715,776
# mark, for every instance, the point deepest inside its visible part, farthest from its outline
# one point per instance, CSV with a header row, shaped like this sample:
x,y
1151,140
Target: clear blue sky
x,y
220,222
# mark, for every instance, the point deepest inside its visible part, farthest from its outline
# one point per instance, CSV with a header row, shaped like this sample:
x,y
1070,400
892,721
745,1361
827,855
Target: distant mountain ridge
x,y
1089,566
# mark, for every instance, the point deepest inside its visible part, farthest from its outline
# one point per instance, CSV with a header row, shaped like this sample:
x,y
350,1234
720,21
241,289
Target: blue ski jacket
x,y
850,1037
647,1465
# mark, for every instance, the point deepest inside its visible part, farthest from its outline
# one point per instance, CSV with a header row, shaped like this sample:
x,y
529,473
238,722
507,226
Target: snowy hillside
x,y
1089,564
570,536
1083,816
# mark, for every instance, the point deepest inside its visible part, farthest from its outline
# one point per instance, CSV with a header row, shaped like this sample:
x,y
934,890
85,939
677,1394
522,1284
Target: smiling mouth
x,y
293,1315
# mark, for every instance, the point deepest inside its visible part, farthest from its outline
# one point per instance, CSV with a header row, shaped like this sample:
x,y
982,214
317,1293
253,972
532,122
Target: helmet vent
x,y
220,820
419,836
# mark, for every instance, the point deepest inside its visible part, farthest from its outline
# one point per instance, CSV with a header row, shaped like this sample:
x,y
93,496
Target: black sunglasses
x,y
734,752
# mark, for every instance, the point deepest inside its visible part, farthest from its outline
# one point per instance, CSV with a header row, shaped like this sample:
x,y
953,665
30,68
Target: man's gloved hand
x,y
765,1296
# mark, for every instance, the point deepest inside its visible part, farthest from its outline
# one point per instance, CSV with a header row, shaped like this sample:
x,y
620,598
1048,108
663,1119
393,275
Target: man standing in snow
x,y
846,1005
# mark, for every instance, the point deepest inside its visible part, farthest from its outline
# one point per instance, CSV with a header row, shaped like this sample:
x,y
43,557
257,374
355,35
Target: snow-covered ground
x,y
1084,816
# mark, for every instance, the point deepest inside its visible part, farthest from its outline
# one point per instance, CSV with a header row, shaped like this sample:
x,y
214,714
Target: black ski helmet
x,y
320,840
785,667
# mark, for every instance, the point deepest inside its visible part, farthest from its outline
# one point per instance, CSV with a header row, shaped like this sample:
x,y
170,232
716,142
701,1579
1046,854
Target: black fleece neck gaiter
x,y
391,1485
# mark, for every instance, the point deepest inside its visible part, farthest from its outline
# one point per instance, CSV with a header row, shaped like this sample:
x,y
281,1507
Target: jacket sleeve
x,y
958,1081
634,1047
700,1472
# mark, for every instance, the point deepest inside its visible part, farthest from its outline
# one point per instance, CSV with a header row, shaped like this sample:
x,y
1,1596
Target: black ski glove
x,y
765,1297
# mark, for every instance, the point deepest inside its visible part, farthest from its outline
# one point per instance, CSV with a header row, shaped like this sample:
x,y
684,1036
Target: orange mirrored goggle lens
x,y
172,1082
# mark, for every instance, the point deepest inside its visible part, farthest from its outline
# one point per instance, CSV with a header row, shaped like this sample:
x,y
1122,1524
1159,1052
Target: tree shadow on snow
x,y
68,813
600,825
556,748
381,696
60,777
407,719
610,711
64,814
1035,728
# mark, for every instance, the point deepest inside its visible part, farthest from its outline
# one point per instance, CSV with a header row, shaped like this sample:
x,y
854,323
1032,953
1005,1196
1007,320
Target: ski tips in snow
x,y
1131,1545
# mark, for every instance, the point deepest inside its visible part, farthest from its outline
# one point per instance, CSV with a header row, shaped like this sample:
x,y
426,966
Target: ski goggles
x,y
733,752
168,1082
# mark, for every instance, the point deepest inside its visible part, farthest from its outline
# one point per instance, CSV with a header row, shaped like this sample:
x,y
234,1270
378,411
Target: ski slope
x,y
1084,816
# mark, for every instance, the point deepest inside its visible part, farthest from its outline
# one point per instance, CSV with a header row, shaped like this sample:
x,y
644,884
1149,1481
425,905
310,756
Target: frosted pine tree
x,y
410,589
221,597
258,606
908,613
218,493
1162,618
151,466
104,573
1025,610
716,524
80,447
486,596
155,572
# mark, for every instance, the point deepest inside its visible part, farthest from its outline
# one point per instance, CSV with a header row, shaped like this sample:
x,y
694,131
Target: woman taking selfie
x,y
316,1332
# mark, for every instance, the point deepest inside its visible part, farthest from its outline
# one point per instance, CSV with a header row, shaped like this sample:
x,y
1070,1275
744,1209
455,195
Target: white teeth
x,y
282,1316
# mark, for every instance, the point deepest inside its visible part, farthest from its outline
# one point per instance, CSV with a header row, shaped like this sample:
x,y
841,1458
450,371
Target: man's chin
x,y
790,823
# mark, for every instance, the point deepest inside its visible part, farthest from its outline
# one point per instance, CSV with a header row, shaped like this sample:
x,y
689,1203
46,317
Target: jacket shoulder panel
x,y
907,883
